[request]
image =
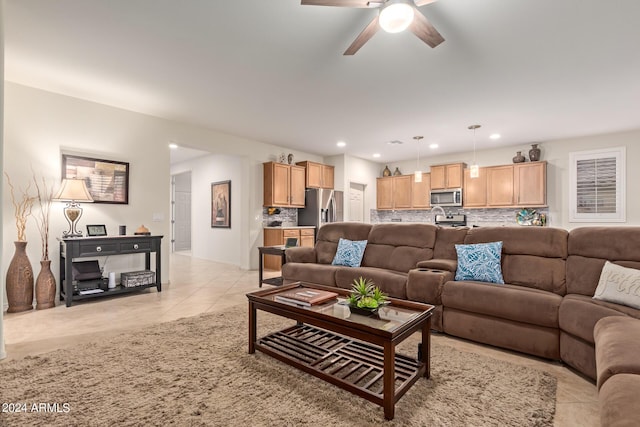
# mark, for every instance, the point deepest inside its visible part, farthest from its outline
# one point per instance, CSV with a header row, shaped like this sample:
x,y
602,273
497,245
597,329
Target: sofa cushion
x,y
618,398
590,247
580,313
533,257
349,252
510,302
480,262
399,247
446,239
322,274
390,282
330,234
619,285
300,254
617,347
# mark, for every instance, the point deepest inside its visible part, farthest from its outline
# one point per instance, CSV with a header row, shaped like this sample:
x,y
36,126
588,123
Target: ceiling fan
x,y
394,16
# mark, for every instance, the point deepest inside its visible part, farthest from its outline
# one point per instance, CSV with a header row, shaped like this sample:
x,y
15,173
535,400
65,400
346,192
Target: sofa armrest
x,y
301,254
439,264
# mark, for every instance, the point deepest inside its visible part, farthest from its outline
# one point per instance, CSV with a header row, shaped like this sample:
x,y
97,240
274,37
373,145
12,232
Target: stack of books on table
x,y
305,297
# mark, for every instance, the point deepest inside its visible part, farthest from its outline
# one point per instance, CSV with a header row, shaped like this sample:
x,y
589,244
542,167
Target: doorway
x,y
181,212
356,202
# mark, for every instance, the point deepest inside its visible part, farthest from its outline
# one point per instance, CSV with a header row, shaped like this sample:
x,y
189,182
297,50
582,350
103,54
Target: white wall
x,y
349,169
3,354
227,245
556,153
40,125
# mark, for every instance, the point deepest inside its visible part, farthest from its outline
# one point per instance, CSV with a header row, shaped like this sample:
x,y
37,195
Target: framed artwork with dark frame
x,y
107,180
221,204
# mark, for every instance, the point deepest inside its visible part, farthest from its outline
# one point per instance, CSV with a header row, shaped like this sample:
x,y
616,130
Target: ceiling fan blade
x,y
340,3
363,37
424,2
426,32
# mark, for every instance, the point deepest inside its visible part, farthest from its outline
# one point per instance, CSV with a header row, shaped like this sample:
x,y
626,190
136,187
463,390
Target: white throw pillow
x,y
620,285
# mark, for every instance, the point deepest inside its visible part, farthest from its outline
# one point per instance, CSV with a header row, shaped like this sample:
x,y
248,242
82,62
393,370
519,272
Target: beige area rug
x,y
196,372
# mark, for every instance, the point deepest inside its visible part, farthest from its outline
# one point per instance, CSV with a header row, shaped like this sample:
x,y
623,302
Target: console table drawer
x,y
96,249
135,246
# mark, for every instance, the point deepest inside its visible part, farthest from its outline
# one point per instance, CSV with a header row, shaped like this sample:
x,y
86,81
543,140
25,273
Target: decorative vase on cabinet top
x,y
386,171
519,158
534,153
397,172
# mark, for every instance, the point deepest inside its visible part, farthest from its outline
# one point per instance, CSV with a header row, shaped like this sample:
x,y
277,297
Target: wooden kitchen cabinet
x,y
475,189
420,198
394,192
279,236
500,185
447,176
530,184
318,175
283,185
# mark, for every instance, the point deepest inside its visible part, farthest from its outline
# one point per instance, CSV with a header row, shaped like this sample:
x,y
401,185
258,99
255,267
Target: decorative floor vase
x,y
45,287
534,153
19,282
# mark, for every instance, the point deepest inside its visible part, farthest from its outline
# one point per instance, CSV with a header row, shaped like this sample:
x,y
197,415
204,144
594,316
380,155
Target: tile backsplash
x,y
287,216
479,217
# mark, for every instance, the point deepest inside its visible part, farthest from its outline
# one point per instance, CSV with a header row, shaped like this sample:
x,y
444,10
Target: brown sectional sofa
x,y
544,308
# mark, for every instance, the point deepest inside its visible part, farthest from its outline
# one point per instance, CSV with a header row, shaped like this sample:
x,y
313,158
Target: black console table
x,y
91,247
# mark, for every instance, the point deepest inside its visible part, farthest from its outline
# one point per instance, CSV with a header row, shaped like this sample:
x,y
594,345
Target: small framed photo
x,y
96,230
221,204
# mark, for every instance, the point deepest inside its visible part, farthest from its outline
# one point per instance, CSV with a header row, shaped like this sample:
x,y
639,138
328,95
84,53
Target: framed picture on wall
x,y
107,180
221,204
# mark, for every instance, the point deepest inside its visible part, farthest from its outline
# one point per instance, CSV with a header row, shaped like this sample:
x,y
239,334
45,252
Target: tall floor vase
x,y
19,282
45,286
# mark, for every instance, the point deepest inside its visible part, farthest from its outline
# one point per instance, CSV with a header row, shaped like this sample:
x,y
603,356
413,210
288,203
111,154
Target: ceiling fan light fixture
x,y
396,15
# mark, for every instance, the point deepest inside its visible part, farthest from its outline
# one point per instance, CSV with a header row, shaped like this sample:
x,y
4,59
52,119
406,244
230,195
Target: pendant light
x,y
417,176
474,171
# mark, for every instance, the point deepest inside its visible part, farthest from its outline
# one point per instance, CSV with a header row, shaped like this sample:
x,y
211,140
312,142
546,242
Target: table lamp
x,y
73,191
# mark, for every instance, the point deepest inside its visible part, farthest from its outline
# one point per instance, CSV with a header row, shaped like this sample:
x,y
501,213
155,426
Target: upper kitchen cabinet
x,y
318,175
420,192
283,185
500,186
474,193
394,192
446,176
530,184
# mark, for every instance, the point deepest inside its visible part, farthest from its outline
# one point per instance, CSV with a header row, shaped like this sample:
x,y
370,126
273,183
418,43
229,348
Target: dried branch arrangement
x,y
22,208
45,195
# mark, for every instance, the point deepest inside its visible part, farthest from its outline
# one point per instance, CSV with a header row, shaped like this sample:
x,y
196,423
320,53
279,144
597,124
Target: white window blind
x,y
597,186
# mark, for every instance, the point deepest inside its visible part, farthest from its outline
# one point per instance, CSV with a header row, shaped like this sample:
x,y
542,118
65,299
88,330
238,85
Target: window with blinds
x,y
597,186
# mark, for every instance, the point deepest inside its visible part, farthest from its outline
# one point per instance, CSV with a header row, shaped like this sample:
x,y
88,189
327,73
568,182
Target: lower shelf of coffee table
x,y
351,364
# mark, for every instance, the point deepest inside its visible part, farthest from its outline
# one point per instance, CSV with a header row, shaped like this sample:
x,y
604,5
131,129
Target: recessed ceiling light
x,y
433,146
376,155
341,144
173,145
494,136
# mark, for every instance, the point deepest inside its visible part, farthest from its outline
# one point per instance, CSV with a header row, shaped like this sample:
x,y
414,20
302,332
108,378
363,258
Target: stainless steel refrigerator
x,y
321,206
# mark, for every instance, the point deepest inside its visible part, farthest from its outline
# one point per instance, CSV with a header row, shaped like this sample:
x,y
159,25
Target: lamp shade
x,y
396,16
73,190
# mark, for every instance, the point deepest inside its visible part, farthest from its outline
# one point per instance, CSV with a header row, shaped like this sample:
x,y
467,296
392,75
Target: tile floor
x,y
196,286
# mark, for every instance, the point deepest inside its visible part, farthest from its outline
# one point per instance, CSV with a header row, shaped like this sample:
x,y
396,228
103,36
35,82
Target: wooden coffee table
x,y
352,351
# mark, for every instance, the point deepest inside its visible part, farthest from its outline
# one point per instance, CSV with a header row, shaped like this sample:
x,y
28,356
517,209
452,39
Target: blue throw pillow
x,y
349,252
480,262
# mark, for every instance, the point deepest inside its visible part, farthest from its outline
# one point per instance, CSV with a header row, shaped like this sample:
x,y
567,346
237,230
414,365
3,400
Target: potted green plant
x,y
365,297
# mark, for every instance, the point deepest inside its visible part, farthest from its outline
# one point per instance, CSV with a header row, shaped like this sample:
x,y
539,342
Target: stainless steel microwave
x,y
450,197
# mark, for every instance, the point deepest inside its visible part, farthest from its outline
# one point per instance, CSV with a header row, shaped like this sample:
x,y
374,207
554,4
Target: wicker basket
x,y
137,278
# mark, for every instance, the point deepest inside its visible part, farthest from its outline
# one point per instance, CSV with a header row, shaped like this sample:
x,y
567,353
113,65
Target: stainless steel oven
x,y
450,197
